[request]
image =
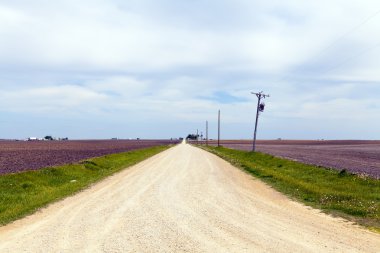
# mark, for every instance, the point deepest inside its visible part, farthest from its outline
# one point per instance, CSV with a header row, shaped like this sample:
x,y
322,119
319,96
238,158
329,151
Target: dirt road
x,y
183,200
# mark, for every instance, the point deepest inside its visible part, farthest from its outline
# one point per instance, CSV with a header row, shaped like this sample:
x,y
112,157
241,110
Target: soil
x,y
355,156
183,200
18,156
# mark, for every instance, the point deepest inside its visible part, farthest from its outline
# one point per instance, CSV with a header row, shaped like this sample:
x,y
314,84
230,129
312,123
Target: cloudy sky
x,y
161,68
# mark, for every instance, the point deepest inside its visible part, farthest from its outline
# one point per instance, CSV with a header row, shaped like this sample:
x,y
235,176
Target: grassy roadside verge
x,y
24,193
338,193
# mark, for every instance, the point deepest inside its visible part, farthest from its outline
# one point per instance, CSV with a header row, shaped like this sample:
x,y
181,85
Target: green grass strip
x,y
342,194
24,193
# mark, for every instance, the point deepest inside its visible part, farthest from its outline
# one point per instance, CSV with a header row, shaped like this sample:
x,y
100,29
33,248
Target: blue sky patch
x,y
224,98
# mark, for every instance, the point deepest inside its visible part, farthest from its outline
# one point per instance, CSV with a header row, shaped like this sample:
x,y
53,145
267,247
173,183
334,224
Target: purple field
x,y
359,157
17,156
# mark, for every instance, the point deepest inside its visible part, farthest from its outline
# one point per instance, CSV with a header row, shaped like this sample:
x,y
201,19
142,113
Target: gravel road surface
x,y
183,200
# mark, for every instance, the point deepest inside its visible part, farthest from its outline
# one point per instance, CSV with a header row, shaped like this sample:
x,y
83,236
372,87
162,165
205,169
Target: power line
x,y
347,60
344,35
350,58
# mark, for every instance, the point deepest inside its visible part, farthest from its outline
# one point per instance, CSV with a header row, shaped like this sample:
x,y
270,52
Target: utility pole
x,y
260,108
197,137
206,133
219,128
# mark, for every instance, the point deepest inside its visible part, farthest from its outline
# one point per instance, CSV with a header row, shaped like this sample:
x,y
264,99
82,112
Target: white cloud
x,y
11,16
340,109
162,59
55,99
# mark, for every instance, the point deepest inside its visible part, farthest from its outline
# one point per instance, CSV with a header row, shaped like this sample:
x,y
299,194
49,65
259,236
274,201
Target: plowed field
x,y
359,157
17,156
183,200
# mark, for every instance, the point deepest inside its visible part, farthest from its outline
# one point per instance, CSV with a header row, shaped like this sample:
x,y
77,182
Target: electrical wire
x,y
350,58
332,44
344,35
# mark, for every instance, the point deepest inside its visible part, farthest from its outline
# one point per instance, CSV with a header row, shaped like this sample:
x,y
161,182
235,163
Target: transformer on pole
x,y
260,108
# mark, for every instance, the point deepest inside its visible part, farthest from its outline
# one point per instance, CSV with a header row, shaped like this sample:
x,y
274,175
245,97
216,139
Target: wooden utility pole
x,y
219,128
207,133
260,108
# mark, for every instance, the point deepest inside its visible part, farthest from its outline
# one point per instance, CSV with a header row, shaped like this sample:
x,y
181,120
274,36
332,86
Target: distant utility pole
x,y
219,128
206,132
260,108
197,137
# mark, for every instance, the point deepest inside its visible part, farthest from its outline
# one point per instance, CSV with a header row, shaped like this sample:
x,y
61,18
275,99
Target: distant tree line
x,y
192,136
